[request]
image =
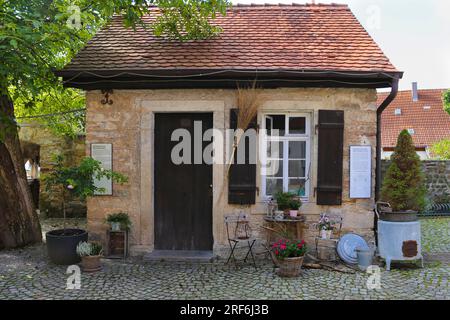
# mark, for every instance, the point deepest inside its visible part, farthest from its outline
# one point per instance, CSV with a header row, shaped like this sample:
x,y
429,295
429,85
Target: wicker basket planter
x,y
290,267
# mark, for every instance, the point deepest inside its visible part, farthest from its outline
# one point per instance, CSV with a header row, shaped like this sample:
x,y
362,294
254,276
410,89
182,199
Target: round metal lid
x,y
347,246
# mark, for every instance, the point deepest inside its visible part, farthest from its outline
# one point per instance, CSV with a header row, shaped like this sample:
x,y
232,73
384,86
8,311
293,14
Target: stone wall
x,y
73,150
128,124
437,178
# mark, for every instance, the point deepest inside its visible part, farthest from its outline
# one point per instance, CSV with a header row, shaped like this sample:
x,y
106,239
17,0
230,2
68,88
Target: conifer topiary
x,y
403,186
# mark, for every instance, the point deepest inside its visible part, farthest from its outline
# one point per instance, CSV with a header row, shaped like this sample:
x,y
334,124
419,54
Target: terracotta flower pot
x,y
91,263
290,267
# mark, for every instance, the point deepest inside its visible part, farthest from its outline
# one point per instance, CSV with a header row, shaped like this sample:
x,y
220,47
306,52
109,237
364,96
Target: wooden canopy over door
x,y
183,193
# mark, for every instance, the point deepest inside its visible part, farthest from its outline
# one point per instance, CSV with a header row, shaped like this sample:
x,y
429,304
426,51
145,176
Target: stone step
x,y
179,256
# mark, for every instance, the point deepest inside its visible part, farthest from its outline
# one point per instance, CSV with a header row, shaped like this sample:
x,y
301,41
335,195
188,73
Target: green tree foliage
x,y
39,36
81,178
446,100
403,184
55,109
441,149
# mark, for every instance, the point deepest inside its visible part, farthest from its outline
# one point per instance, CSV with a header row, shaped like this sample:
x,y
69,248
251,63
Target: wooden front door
x,y
183,192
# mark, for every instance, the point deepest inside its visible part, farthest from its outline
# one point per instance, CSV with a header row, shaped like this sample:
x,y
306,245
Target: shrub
x,y
403,184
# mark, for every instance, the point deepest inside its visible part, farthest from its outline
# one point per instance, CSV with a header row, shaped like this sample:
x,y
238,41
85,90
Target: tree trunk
x,y
19,223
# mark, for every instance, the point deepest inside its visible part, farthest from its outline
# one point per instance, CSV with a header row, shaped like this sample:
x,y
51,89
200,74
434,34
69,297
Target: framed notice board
x,y
103,152
360,172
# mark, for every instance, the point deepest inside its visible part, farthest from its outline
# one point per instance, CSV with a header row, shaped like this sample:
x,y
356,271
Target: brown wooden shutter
x,y
242,177
330,157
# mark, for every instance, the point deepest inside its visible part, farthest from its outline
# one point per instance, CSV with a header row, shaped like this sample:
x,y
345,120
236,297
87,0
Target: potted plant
x,y
288,202
294,206
119,221
79,182
289,254
403,188
90,253
325,225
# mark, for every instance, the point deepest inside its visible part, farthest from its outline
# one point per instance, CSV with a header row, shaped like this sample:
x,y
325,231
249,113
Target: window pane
x,y
297,125
297,186
297,149
297,168
275,149
278,123
274,168
273,186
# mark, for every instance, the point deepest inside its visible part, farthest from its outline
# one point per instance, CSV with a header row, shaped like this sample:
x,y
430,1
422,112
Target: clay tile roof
x,y
430,124
291,37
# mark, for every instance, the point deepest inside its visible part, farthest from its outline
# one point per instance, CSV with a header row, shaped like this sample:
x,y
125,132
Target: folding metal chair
x,y
239,231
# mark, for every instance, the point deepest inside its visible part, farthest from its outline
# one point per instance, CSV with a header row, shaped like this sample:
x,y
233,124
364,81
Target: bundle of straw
x,y
248,103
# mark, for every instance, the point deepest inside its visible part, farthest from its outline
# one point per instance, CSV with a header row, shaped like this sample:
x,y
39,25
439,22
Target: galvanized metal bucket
x,y
365,258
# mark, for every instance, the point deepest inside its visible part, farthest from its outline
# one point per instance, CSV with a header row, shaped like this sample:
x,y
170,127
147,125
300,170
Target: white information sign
x,y
103,152
360,172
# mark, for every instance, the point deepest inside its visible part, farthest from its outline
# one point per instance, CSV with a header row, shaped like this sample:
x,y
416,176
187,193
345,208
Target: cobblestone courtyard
x,y
26,274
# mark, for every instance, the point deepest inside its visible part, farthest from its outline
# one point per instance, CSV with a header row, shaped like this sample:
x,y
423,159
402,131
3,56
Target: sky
x,y
414,34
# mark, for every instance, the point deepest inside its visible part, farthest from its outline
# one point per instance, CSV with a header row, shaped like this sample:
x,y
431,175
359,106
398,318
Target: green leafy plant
x,y
446,101
120,217
295,204
403,186
79,181
88,249
287,200
441,149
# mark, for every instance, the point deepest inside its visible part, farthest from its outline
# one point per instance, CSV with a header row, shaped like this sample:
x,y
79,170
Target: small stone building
x,y
318,70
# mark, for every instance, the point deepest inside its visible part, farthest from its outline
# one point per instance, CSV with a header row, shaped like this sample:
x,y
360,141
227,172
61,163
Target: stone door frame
x,y
148,108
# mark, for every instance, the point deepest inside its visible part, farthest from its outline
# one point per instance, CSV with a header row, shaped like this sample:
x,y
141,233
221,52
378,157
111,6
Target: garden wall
x,y
73,150
437,175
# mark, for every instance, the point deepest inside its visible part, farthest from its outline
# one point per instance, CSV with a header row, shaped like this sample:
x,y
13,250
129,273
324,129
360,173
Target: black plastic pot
x,y
62,245
401,216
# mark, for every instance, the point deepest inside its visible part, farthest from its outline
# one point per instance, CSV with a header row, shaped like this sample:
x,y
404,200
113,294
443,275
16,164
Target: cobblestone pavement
x,y
26,274
436,235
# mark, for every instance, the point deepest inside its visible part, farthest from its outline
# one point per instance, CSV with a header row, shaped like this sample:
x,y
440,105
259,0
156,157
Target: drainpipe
x,y
381,108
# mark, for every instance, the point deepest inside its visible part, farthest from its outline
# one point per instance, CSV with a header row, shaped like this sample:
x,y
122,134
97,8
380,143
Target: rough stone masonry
x,y
128,124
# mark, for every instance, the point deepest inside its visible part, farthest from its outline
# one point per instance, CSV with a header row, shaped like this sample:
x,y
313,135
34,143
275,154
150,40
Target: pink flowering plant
x,y
287,248
325,223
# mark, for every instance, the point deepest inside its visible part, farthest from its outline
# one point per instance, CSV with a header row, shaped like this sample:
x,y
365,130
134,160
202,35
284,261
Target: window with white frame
x,y
287,148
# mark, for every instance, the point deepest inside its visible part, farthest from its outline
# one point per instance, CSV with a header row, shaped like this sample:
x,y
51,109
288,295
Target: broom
x,y
248,103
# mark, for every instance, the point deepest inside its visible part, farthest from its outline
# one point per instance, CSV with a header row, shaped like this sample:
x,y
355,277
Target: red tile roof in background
x,y
430,125
292,37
